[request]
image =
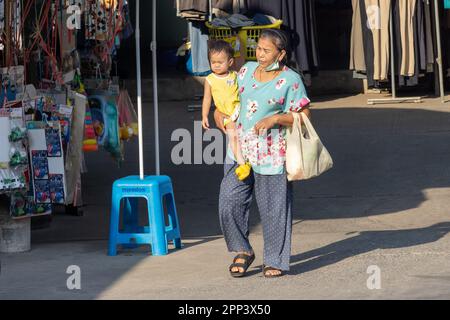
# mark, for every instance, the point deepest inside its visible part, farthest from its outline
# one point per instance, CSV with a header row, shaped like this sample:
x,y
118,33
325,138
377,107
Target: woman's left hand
x,y
265,125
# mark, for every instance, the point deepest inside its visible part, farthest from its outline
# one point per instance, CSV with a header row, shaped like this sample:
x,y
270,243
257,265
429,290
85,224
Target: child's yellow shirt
x,y
225,92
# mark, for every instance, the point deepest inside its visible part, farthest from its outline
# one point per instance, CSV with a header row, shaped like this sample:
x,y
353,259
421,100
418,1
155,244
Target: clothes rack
x,y
394,98
194,107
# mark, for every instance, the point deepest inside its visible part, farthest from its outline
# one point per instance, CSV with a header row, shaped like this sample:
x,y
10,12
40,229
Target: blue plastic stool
x,y
157,234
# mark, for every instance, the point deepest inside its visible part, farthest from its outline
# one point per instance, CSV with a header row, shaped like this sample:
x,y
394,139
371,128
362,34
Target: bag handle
x,y
308,124
296,122
299,117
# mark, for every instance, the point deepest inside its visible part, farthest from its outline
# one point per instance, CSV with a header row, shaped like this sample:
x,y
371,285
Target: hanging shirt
x,y
259,100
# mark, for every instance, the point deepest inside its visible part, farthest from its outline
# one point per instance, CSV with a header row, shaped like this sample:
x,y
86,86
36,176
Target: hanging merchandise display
x,y
47,162
90,138
13,157
12,83
74,150
56,59
105,119
128,120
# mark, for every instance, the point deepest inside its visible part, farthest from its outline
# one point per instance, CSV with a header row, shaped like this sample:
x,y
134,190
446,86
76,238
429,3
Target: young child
x,y
221,85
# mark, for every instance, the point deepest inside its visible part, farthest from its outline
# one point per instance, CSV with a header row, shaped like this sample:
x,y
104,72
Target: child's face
x,y
220,62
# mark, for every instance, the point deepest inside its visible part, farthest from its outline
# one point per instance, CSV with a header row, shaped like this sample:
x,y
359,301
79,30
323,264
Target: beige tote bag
x,y
306,156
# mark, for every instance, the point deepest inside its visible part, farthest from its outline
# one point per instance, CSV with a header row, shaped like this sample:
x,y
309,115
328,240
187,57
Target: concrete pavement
x,y
386,203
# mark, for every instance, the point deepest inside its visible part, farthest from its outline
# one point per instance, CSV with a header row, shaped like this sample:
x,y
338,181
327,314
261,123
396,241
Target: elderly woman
x,y
269,92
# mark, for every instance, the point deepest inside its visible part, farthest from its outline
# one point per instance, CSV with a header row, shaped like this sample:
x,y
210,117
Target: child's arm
x,y
206,105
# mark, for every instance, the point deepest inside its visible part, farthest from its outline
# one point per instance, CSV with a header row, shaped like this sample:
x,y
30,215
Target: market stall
x,y
60,98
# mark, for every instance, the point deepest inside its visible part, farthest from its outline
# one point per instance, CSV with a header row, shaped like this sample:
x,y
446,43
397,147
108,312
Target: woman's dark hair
x,y
216,46
281,40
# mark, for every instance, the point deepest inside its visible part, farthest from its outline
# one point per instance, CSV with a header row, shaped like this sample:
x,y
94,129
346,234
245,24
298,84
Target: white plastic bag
x,y
306,156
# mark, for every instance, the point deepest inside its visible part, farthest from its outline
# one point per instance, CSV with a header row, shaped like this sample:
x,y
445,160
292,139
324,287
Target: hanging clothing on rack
x,y
429,36
367,44
199,47
229,6
378,22
413,50
406,14
198,10
413,38
357,60
420,34
193,9
200,6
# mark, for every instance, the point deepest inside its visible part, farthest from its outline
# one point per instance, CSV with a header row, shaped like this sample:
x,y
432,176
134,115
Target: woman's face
x,y
267,52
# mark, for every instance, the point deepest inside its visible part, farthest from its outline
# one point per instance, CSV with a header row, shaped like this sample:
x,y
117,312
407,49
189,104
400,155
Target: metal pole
x,y
178,8
391,36
155,88
139,92
439,48
210,10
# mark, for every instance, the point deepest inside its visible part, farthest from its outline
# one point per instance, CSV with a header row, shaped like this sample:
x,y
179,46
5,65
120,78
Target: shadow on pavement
x,y
365,242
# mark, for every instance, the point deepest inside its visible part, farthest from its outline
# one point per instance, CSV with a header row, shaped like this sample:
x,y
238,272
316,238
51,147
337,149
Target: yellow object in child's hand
x,y
243,171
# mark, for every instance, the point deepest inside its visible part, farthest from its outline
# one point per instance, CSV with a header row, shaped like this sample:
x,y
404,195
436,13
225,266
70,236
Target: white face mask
x,y
274,66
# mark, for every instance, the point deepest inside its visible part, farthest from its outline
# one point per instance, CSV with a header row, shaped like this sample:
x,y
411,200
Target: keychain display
x,y
18,158
42,191
63,114
39,164
13,157
53,139
48,165
56,188
23,205
17,134
18,206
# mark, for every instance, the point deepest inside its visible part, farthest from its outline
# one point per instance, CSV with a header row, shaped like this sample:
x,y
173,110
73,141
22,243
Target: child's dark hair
x,y
216,46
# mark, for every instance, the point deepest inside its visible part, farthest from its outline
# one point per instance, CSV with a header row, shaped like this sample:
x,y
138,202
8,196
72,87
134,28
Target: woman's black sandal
x,y
248,261
268,275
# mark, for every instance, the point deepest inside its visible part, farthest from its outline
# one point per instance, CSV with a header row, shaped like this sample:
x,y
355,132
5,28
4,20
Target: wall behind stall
x,y
334,24
170,33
